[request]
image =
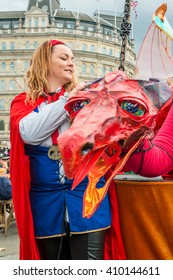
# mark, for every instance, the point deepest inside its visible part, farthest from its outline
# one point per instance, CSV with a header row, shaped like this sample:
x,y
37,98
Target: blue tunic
x,y
49,198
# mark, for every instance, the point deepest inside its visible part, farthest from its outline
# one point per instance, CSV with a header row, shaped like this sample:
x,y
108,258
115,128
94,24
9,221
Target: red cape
x,y
20,178
114,248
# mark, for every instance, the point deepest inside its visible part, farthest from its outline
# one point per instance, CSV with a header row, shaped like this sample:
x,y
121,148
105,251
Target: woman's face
x,y
62,64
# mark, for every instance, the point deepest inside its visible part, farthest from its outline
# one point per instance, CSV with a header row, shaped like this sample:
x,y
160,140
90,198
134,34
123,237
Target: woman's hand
x,y
79,87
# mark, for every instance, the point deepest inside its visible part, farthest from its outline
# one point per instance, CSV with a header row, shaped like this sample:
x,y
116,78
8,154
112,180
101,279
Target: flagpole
x,y
115,14
125,32
98,11
98,30
132,22
77,9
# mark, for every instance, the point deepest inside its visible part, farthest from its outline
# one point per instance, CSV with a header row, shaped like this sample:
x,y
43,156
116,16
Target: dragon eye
x,y
78,105
133,108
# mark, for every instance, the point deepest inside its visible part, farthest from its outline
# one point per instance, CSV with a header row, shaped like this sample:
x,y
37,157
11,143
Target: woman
x,y
48,213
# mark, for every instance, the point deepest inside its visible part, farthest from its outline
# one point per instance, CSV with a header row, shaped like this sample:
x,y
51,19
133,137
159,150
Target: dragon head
x,y
109,119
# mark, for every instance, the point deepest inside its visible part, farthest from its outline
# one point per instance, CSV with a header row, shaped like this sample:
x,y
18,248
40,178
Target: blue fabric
x,y
49,198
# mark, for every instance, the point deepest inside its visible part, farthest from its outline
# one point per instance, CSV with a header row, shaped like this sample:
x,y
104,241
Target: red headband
x,y
56,42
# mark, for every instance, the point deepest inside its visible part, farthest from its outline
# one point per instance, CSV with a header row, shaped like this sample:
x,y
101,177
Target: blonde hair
x,y
37,73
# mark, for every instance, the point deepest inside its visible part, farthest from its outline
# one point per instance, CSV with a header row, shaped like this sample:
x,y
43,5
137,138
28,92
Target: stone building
x,y
95,42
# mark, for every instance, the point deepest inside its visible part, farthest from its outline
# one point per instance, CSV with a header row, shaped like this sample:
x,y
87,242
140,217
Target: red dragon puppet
x,y
109,119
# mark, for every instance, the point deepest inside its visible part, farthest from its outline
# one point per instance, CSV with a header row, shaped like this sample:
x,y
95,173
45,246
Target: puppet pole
x,y
125,32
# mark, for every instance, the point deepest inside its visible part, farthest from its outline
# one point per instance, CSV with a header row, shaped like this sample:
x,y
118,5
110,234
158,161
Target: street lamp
x,y
125,32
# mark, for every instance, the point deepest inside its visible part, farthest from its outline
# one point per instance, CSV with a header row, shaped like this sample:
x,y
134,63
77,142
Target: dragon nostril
x,y
121,142
87,148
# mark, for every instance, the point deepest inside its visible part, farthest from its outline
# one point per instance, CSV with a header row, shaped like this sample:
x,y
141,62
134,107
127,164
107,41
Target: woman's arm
x,y
38,126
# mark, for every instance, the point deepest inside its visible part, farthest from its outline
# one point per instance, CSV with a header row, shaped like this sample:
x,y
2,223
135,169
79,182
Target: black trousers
x,y
87,246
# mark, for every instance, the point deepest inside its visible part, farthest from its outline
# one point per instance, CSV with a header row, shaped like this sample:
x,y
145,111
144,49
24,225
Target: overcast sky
x,y
145,9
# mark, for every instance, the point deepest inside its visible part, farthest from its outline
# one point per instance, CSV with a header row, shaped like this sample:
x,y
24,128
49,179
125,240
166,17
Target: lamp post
x,y
125,32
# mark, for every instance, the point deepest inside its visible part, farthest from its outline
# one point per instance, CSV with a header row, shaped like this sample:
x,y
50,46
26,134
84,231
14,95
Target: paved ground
x,y
9,244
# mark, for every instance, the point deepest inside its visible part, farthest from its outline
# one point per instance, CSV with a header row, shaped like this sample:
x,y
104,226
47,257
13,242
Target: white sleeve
x,y
38,126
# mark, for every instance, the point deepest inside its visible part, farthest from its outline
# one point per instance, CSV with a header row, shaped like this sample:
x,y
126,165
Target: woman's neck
x,y
54,89
53,85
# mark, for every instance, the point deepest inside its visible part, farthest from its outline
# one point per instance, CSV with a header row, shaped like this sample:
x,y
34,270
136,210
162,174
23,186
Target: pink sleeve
x,y
156,157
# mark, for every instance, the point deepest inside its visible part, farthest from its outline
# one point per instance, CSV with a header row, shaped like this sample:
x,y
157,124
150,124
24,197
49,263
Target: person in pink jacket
x,y
155,158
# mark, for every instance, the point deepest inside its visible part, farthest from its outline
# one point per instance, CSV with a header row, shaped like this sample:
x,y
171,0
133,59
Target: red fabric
x,y
114,248
20,178
56,42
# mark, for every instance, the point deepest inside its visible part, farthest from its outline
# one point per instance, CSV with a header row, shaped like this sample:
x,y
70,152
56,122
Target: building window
x,y
110,69
26,64
60,24
81,27
70,25
84,68
2,125
84,47
12,45
107,31
6,25
43,22
35,44
92,48
27,45
110,52
90,28
3,66
4,46
103,50
15,24
103,70
30,22
11,85
101,29
2,104
12,66
92,69
117,55
36,22
2,84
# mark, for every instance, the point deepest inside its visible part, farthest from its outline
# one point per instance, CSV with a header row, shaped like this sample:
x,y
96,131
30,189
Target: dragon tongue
x,y
83,170
93,196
